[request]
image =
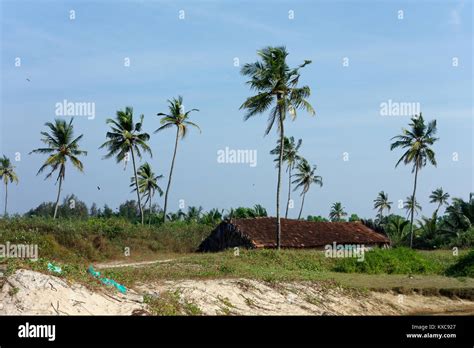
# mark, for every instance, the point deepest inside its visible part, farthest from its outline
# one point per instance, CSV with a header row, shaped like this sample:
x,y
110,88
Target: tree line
x,y
277,91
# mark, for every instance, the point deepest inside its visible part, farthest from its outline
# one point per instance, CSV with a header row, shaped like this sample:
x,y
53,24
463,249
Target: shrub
x,y
390,261
464,267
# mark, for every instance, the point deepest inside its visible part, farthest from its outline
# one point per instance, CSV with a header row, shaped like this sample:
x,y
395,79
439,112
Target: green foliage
x,y
390,261
171,303
354,218
244,213
337,212
318,218
464,267
99,238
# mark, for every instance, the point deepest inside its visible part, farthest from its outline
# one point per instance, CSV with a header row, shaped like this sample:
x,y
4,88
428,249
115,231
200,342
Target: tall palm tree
x,y
304,179
381,203
411,205
148,185
277,89
337,212
291,158
178,118
440,197
417,141
125,137
7,173
61,146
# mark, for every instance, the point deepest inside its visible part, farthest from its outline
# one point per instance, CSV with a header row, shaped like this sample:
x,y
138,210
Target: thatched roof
x,y
305,234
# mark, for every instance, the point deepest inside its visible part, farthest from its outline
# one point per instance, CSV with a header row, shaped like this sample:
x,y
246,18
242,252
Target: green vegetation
x,y
337,212
392,261
148,185
125,137
61,147
464,267
304,178
8,175
98,239
171,303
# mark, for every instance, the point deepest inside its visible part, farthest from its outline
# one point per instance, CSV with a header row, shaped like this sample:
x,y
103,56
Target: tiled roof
x,y
306,234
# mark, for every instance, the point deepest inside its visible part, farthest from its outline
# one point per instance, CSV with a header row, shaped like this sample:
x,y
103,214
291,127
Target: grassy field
x,y
74,245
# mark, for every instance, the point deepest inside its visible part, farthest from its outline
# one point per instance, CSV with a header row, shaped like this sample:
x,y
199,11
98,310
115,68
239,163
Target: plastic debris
x,y
107,281
53,268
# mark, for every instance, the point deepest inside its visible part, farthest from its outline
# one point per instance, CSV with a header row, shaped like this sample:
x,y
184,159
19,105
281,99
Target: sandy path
x,y
118,264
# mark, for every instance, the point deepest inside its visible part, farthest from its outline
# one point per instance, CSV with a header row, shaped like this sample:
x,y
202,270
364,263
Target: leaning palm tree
x,y
179,119
277,89
411,206
304,179
381,203
7,173
126,138
61,146
147,184
337,212
440,197
291,158
417,142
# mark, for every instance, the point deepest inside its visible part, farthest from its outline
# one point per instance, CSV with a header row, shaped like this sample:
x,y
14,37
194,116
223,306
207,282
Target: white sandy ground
x,y
32,293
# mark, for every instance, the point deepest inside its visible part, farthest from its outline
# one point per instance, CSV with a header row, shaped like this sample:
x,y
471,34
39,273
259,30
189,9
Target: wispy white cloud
x,y
455,14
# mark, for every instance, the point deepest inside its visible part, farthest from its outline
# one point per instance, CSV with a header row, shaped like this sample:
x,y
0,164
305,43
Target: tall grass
x,y
99,238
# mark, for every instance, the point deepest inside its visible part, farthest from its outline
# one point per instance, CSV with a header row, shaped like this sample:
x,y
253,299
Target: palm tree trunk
x,y
289,192
59,193
136,184
413,207
149,218
171,174
302,203
6,198
280,162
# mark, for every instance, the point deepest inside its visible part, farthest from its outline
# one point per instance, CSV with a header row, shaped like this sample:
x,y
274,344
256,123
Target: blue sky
x,y
403,60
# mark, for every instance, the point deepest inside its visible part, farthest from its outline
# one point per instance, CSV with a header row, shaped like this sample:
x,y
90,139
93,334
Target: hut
x,y
260,233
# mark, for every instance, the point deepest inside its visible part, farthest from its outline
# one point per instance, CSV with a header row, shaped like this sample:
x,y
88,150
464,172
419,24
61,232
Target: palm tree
x,y
259,210
125,137
61,146
337,212
277,88
417,142
381,203
179,119
411,207
290,157
7,173
397,229
304,179
147,184
194,213
440,197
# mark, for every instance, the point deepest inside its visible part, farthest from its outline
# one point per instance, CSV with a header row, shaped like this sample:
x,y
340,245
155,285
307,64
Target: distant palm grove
x,y
277,93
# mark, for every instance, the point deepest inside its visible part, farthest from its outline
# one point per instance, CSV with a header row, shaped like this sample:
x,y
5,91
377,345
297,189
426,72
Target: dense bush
x,y
100,238
390,261
464,267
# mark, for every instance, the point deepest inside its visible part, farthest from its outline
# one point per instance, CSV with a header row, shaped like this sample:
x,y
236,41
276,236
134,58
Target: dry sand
x,y
32,293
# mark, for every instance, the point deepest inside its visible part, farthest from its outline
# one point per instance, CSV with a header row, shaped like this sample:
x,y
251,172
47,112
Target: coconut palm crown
x,y
61,146
124,138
